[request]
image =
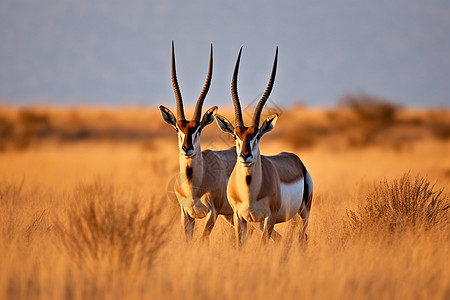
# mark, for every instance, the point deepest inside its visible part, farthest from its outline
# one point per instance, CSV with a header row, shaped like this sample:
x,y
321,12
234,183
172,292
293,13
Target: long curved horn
x,y
176,89
199,105
234,94
265,96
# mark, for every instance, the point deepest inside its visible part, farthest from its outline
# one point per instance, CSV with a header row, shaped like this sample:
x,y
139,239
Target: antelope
x,y
200,187
266,189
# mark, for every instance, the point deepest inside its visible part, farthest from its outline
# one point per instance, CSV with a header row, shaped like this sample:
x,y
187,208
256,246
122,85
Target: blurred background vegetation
x,y
359,120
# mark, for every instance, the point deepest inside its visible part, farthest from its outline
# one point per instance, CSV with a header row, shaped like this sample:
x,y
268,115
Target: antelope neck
x,y
250,177
191,168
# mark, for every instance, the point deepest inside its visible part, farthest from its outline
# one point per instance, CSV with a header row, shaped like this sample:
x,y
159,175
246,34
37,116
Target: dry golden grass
x,y
88,218
103,225
411,204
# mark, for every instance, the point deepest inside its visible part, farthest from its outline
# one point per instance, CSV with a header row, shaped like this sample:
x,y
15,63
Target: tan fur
x,y
288,166
228,159
282,168
215,171
268,189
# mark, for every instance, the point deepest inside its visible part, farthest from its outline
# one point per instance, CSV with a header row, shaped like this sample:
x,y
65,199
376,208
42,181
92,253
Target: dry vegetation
x,y
402,204
84,215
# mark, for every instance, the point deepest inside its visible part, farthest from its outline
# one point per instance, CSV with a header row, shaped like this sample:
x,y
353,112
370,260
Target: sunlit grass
x,y
90,220
105,226
404,203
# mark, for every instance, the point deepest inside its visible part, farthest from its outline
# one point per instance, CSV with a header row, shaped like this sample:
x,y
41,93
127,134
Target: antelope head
x,y
189,131
247,138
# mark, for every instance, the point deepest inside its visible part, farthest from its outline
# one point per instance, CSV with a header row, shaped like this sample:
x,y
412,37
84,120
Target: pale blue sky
x,y
118,52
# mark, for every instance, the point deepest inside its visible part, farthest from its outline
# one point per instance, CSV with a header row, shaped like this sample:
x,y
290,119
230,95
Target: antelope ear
x,y
268,124
208,117
224,124
168,116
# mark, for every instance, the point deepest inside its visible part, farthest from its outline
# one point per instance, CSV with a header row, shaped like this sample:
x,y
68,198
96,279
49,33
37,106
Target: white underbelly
x,y
291,200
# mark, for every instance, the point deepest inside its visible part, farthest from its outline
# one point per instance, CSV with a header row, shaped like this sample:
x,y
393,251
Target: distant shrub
x,y
101,228
6,132
441,130
400,204
371,116
369,108
32,124
305,136
32,118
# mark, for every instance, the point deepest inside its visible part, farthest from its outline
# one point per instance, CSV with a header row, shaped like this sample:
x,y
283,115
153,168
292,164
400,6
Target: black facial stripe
x,y
187,143
189,172
246,150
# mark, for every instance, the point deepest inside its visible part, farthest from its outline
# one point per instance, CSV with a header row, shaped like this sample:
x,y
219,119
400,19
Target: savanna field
x,y
84,212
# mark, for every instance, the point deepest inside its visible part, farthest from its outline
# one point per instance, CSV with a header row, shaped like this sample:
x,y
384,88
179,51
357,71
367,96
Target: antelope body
x,y
200,187
267,189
